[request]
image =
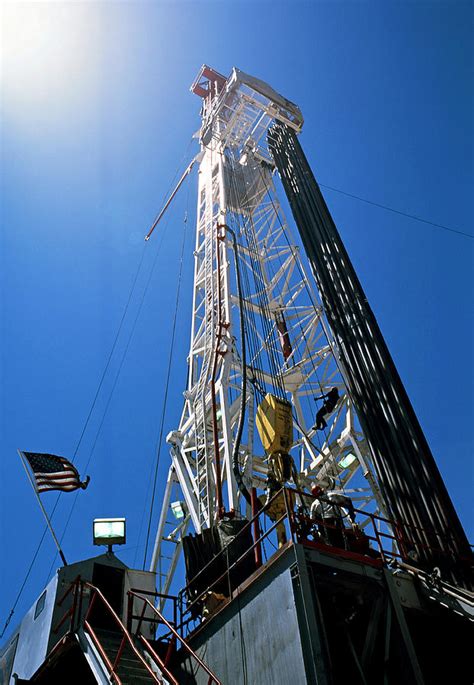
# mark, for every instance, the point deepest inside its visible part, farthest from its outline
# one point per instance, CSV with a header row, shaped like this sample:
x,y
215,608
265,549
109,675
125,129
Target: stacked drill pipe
x,y
414,493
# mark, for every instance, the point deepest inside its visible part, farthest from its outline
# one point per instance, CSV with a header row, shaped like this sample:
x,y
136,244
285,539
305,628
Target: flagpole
x,y
56,542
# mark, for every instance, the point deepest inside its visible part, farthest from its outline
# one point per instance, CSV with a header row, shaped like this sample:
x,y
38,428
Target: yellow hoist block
x,y
275,424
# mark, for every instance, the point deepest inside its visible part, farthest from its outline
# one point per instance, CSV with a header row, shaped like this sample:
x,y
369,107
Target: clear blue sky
x,y
96,119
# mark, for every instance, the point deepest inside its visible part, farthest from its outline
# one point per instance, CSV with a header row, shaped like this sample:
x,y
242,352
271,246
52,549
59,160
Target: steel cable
x,y
165,398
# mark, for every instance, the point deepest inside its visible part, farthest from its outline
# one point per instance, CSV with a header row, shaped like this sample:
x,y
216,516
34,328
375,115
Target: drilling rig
x,y
257,329
274,327
303,510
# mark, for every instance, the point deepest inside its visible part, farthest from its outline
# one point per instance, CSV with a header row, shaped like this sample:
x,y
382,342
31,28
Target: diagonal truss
x,y
290,350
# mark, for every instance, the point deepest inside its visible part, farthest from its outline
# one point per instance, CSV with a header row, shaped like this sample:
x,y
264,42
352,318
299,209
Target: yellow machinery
x,y
275,425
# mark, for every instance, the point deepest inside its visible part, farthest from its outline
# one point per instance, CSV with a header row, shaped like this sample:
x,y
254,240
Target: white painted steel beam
x,y
236,188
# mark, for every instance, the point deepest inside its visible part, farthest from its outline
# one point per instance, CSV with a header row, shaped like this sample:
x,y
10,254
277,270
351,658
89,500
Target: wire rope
x,y
165,398
249,330
263,300
94,401
117,375
110,354
91,408
247,229
149,479
397,211
315,307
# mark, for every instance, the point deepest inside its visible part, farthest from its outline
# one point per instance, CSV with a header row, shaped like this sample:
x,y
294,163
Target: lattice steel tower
x,y
257,327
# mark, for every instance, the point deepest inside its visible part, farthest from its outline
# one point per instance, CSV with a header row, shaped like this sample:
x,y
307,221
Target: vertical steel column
x,y
411,484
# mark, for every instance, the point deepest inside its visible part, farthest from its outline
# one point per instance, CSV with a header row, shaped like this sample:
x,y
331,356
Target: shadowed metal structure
x,y
411,484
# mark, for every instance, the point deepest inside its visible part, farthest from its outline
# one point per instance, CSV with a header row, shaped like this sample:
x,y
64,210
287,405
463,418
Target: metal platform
x,y
314,616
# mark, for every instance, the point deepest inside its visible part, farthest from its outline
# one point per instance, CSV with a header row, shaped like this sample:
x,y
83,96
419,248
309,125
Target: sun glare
x,y
46,54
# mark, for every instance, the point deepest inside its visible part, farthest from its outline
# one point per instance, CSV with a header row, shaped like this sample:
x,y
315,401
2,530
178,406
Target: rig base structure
x,y
313,616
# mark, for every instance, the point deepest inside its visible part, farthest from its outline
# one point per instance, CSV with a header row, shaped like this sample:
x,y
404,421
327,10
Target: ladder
x,y
203,441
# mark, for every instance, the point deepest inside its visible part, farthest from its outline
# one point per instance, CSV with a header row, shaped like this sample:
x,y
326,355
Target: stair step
x,y
137,669
130,670
131,661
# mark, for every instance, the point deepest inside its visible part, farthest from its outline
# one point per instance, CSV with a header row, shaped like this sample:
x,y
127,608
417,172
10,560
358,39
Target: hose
x,y
243,387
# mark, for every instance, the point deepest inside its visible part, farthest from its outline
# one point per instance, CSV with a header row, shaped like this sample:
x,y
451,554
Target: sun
x,y
47,56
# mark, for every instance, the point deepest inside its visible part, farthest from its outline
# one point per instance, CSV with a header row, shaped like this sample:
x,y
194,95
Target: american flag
x,y
54,473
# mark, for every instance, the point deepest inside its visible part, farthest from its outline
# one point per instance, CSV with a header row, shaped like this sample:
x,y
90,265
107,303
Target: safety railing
x,y
74,613
378,530
156,622
189,604
130,632
349,541
160,599
213,679
379,542
126,637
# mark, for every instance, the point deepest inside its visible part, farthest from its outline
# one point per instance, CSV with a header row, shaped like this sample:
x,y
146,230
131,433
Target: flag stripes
x,y
53,473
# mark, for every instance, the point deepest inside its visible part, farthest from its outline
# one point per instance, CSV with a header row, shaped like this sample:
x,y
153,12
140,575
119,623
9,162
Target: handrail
x,y
153,593
399,533
160,595
77,586
159,660
256,542
212,677
69,589
384,555
102,652
217,580
72,609
223,551
401,527
126,634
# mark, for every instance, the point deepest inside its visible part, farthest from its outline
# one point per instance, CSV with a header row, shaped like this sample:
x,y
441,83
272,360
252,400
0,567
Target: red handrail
x,y
401,528
126,635
158,659
162,619
235,563
399,536
77,586
244,528
72,609
102,652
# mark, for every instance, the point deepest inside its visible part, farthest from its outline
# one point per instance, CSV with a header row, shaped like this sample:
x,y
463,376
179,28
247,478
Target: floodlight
x,y
347,461
178,509
109,532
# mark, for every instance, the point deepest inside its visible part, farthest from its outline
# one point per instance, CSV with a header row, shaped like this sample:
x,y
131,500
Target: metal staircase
x,y
130,669
119,652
